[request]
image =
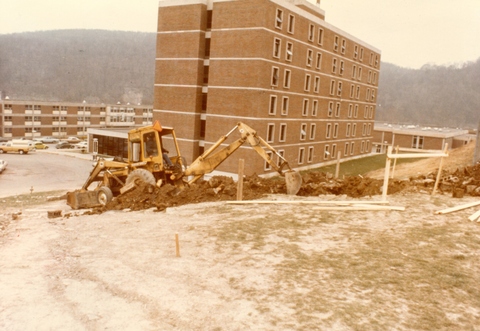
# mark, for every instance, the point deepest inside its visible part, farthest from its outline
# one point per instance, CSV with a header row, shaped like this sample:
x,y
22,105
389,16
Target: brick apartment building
x,y
34,119
307,87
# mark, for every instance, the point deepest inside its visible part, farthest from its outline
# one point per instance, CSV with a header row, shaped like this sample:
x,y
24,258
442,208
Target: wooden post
x,y
177,246
337,168
387,174
394,163
241,166
439,174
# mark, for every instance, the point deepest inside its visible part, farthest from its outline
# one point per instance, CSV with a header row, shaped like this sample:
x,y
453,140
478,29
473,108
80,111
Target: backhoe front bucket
x,y
82,199
293,181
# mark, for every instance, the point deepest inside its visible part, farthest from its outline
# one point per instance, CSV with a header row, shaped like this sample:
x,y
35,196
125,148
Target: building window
x,y
301,155
355,113
369,129
417,142
332,87
354,71
303,131
361,54
280,157
342,67
279,19
334,150
311,32
289,52
349,127
316,86
359,76
313,128
328,131
362,146
334,65
309,58
335,130
370,62
320,36
374,78
354,129
364,129
330,109
326,152
283,132
339,89
345,151
272,110
367,97
305,107
350,110
310,154
270,133
352,91
376,61
318,63
344,46
373,95
307,82
355,52
286,78
267,165
337,109
365,112
275,71
335,44
371,112
367,146
352,148
291,24
314,107
284,105
276,47
358,92
369,79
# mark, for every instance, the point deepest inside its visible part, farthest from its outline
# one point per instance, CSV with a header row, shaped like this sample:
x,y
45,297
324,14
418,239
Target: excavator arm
x,y
212,158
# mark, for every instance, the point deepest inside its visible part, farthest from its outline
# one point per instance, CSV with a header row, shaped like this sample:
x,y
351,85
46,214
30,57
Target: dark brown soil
x,y
220,188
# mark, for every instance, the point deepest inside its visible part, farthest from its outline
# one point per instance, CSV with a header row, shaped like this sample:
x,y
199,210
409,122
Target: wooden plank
x,y
309,202
359,208
415,155
475,216
457,208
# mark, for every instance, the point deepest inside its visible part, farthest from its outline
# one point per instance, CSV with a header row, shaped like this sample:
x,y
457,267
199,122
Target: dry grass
x,y
334,269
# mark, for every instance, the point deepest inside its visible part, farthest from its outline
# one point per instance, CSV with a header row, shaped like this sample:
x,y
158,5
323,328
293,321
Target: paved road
x,y
44,171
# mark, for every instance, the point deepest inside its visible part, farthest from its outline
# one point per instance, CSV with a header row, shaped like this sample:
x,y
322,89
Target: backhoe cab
x,y
149,161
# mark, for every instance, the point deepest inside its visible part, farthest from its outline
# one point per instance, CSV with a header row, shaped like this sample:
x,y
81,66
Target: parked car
x,y
3,165
48,140
18,146
64,145
40,145
73,140
82,145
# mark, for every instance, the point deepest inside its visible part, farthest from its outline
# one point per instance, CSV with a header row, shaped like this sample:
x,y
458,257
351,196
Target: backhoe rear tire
x,y
142,175
104,195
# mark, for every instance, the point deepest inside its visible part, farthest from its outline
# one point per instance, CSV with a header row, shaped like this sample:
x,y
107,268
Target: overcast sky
x,y
410,33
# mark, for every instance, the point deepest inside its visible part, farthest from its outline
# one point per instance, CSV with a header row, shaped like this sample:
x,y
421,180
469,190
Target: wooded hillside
x,y
111,66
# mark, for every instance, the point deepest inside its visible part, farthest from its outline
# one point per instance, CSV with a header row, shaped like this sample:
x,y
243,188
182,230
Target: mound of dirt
x,y
465,180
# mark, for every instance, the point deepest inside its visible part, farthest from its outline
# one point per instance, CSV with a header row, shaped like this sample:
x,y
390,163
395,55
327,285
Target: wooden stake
x,y
387,174
394,163
439,174
337,168
177,245
241,166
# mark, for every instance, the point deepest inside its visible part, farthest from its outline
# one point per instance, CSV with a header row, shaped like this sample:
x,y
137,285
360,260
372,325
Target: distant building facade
x,y
32,119
418,137
308,88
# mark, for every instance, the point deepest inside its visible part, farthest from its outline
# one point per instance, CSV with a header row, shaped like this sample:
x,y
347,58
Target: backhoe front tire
x,y
104,195
142,175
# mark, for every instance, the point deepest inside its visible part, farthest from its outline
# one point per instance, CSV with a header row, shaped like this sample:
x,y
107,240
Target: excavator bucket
x,y
82,199
293,181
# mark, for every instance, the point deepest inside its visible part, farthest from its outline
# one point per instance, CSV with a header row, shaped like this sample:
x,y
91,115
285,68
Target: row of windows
x,y
316,34
80,108
329,152
331,131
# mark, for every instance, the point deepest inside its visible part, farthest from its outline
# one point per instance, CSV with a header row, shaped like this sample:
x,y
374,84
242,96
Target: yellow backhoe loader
x,y
149,161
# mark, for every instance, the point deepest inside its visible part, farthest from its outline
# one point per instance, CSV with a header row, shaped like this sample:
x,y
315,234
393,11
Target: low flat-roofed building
x,y
417,137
